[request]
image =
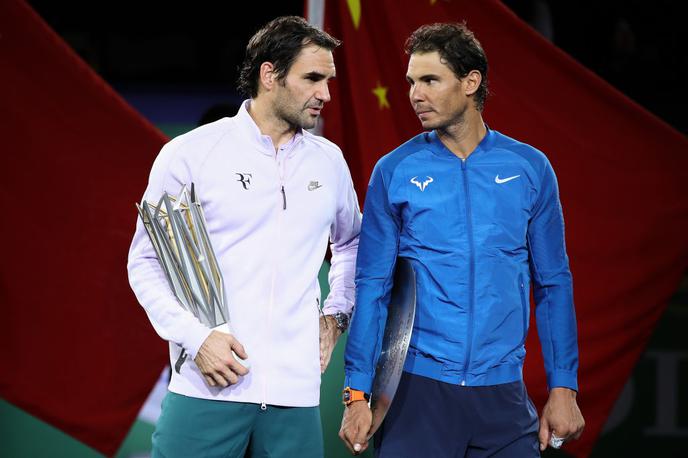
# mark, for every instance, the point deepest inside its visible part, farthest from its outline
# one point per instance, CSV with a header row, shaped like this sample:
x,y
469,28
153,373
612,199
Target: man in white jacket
x,y
273,194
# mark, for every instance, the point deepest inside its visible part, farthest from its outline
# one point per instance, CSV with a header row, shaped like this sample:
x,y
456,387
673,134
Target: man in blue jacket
x,y
478,216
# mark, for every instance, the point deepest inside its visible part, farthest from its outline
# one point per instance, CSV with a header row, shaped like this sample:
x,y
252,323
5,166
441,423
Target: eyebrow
x,y
316,75
423,77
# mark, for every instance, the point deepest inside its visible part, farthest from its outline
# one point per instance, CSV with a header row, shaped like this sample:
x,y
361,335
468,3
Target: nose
x,y
415,93
323,92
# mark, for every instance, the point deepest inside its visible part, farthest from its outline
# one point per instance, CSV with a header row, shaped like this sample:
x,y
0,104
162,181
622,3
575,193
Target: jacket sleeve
x,y
377,255
552,286
146,276
344,234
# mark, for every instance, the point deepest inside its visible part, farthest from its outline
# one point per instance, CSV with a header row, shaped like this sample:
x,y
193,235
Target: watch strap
x,y
350,395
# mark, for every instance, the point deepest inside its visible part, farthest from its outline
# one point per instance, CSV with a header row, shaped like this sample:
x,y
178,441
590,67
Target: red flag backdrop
x,y
78,351
622,171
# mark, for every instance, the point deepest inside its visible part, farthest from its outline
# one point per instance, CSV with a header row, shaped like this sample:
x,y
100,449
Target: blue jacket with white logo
x,y
478,232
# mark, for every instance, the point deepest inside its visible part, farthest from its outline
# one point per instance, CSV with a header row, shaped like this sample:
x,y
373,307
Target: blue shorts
x,y
429,418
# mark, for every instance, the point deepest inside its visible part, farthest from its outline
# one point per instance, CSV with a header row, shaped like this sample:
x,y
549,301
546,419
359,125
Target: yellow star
x,y
381,93
432,2
355,11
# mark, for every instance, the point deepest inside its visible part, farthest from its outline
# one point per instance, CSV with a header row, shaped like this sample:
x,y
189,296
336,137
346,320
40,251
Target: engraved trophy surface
x,y
177,230
398,329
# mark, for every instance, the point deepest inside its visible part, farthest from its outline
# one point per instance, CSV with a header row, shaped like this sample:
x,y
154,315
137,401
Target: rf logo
x,y
245,179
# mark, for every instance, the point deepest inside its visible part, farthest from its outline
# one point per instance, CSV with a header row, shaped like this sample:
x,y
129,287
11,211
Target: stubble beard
x,y
296,118
452,123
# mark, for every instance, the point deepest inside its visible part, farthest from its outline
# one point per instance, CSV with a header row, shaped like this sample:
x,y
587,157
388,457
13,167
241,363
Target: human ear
x,y
267,75
471,82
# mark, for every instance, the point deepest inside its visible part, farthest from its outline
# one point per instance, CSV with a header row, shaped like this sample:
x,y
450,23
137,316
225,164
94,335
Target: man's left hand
x,y
329,333
561,417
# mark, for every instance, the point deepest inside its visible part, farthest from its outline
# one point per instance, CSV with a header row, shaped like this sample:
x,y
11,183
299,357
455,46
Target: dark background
x,y
637,46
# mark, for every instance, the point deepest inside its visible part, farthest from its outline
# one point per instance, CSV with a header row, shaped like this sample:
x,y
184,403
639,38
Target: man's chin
x,y
310,122
427,125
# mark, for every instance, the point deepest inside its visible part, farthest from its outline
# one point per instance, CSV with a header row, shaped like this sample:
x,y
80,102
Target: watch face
x,y
342,320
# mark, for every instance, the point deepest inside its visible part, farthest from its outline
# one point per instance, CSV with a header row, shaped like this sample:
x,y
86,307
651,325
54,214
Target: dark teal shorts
x,y
200,428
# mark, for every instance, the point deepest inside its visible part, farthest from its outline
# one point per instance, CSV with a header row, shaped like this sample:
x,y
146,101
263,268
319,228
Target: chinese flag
x,y
78,351
622,171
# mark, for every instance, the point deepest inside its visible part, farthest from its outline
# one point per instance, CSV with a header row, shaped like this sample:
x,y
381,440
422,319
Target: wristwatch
x,y
350,395
342,320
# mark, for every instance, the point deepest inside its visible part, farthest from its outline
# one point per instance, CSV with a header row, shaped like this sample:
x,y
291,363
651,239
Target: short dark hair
x,y
279,41
457,46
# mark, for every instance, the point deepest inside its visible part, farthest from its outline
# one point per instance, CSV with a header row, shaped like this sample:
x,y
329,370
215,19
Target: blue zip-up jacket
x,y
477,232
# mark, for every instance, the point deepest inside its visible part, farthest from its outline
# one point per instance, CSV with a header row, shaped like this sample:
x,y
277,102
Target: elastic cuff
x,y
332,307
563,378
194,338
359,381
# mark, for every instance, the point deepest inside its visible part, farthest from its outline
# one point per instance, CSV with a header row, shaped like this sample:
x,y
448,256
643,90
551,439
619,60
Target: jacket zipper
x,y
524,309
471,271
280,171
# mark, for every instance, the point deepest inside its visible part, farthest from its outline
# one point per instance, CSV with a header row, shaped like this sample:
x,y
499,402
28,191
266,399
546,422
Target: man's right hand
x,y
216,361
356,424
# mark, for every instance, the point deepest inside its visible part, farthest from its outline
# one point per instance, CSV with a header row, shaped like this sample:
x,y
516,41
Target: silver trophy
x,y
398,329
177,229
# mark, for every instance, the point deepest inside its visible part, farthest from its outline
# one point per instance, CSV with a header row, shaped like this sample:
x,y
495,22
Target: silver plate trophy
x,y
395,343
177,229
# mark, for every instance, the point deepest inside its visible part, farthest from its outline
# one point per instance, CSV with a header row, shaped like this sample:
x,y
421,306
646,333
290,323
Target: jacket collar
x,y
257,137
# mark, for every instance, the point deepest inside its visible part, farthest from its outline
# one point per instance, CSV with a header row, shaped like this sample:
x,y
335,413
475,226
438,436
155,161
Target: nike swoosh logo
x,y
504,180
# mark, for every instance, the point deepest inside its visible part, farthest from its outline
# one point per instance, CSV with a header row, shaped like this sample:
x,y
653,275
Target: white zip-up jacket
x,y
269,217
